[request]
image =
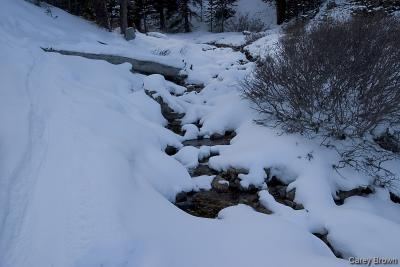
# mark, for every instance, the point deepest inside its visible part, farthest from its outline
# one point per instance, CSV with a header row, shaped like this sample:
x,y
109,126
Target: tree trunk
x,y
223,18
123,12
280,11
186,16
162,19
101,12
201,10
145,21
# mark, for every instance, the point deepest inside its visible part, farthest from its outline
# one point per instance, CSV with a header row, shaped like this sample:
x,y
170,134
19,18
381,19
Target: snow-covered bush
x,y
339,80
253,36
245,22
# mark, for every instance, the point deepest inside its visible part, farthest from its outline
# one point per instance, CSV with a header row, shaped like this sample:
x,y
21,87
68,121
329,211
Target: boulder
x,y
220,184
291,194
130,34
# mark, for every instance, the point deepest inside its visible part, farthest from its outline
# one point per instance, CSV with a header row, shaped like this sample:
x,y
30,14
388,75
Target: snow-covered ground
x,y
85,181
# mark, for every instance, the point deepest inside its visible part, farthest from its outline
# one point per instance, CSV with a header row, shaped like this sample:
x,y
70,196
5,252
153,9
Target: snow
x,y
202,182
188,156
85,181
258,9
156,83
191,131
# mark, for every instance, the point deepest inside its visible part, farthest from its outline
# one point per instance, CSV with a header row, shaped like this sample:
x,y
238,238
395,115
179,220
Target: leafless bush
x,y
246,22
338,80
161,52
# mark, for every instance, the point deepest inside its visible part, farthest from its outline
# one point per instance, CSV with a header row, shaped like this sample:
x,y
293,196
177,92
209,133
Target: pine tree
x,y
123,12
181,20
224,11
101,13
160,6
218,11
210,13
280,11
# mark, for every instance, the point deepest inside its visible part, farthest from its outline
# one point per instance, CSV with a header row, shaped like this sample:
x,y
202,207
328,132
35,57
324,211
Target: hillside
x,y
105,165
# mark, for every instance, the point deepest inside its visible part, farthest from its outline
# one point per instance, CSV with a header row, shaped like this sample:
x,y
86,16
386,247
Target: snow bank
x,y
84,180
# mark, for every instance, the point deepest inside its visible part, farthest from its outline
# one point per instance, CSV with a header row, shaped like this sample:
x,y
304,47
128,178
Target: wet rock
x,y
217,136
291,194
289,203
185,206
251,189
234,185
206,159
324,238
181,197
274,181
292,204
175,126
220,185
286,198
394,198
206,142
359,191
202,169
168,113
194,87
170,150
268,174
230,134
278,192
298,206
209,203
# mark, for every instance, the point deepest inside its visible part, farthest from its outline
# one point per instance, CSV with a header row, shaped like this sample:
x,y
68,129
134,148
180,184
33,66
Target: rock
x,y
216,136
175,126
324,238
291,194
202,169
359,191
220,184
170,150
298,206
289,203
274,181
234,184
205,142
394,198
194,88
186,205
130,34
282,191
208,203
181,197
268,173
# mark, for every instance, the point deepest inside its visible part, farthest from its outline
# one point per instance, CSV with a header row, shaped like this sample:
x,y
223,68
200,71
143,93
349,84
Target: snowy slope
x,y
84,180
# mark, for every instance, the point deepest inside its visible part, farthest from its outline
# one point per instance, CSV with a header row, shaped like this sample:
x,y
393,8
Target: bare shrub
x,y
246,22
388,6
161,52
338,81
